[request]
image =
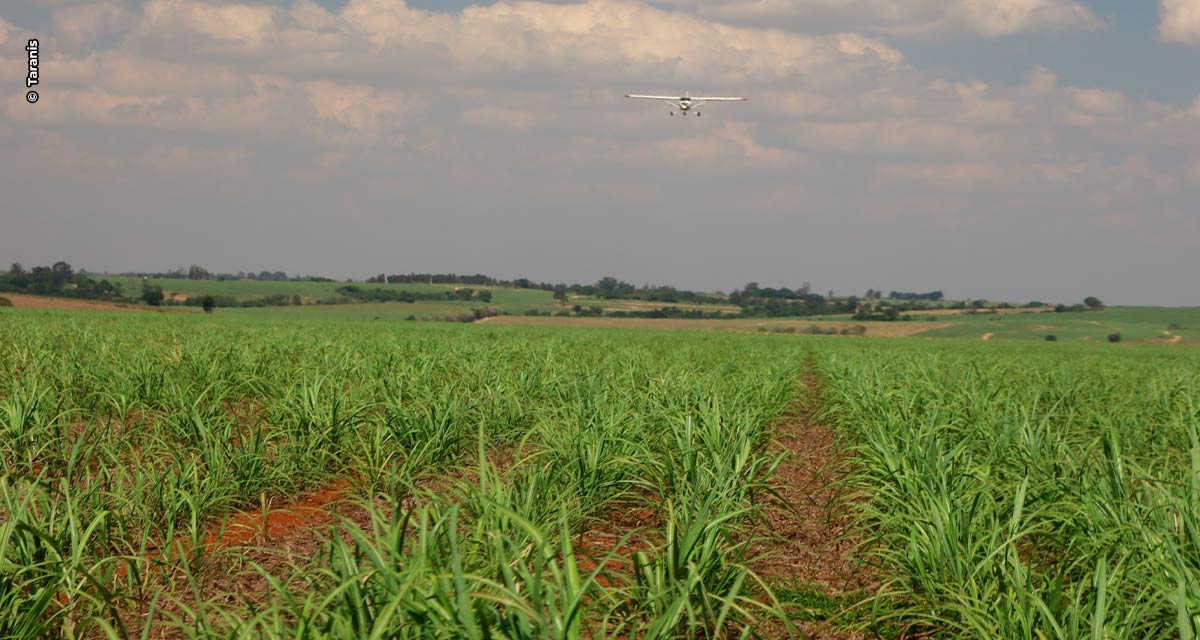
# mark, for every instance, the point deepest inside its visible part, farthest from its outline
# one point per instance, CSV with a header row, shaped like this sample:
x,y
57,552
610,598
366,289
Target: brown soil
x,y
987,336
49,302
275,538
624,530
810,543
270,524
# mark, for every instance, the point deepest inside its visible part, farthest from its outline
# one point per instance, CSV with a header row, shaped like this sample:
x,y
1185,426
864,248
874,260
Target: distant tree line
x,y
57,280
447,278
932,296
197,272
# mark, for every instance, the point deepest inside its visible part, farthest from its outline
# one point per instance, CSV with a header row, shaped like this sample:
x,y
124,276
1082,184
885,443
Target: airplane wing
x,y
652,97
718,99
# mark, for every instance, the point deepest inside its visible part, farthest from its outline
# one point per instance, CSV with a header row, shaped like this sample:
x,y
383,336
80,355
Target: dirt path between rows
x,y
812,546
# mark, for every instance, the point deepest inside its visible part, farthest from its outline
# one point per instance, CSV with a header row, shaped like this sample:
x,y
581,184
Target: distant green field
x,y
644,305
513,301
1133,323
389,311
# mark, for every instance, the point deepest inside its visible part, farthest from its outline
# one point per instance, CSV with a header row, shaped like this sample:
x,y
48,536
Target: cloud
x,y
919,18
8,31
1179,21
509,117
732,147
969,177
79,26
614,36
272,107
494,117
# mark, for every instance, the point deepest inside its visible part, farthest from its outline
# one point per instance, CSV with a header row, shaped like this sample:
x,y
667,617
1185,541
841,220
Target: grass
x,y
643,305
387,311
1007,489
1133,323
1020,493
128,440
513,300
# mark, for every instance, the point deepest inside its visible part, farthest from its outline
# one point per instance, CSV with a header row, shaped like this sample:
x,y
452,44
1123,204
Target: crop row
x,y
126,441
1014,493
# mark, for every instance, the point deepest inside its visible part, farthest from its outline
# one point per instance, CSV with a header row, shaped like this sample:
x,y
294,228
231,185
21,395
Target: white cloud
x,y
335,114
908,137
187,161
545,81
972,177
495,117
1179,21
80,26
731,147
614,36
1092,103
922,18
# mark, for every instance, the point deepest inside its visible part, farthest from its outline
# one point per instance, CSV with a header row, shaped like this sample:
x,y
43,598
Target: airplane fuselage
x,y
686,103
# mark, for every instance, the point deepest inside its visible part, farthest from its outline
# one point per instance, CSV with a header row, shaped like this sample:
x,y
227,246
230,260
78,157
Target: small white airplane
x,y
686,103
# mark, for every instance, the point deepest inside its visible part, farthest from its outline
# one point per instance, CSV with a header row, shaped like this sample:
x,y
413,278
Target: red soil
x,y
625,530
51,302
261,527
810,541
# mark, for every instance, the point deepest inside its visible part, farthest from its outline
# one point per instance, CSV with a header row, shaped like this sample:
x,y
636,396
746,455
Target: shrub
x,y
411,319
1174,326
1051,338
856,330
1114,337
5,302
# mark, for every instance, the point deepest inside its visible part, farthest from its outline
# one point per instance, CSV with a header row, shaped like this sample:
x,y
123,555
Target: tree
x,y
208,302
484,295
16,269
61,273
1093,302
152,295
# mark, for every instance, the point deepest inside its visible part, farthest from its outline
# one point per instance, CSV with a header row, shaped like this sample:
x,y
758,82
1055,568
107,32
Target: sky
x,y
1009,149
